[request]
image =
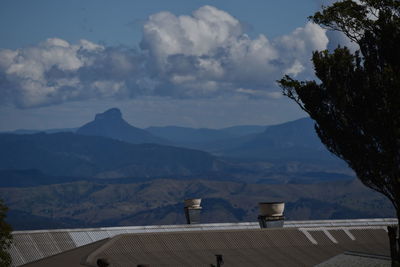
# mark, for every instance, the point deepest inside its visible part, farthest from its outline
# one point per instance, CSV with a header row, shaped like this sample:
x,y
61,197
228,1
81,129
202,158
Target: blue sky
x,y
193,63
119,22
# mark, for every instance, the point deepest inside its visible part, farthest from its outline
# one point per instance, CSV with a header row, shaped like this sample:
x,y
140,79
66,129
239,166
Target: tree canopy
x,y
5,237
356,102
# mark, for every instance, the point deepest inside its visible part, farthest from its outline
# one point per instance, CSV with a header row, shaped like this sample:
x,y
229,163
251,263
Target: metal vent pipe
x,y
271,214
193,210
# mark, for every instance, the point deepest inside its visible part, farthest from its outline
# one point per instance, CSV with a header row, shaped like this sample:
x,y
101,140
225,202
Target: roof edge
x,y
240,225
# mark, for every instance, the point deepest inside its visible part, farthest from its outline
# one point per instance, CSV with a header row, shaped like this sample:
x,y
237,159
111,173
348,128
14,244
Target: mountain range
x,y
201,137
290,141
69,154
108,173
295,140
109,147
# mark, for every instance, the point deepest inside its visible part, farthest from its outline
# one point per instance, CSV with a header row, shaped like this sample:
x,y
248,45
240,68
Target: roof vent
x,y
193,210
271,214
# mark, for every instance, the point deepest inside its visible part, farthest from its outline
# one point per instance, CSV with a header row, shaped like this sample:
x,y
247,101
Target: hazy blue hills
x,y
294,141
185,136
291,141
203,136
68,154
243,130
282,152
61,130
111,124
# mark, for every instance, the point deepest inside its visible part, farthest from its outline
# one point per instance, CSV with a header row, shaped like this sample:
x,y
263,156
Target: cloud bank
x,y
203,55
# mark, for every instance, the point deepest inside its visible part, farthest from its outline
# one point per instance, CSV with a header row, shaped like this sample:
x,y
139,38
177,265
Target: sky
x,y
194,63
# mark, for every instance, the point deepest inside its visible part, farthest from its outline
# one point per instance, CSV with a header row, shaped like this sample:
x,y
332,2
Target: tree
x,y
5,237
356,102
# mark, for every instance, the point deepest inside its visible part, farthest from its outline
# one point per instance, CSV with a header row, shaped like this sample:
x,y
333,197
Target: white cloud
x,y
56,71
200,34
211,47
296,48
206,54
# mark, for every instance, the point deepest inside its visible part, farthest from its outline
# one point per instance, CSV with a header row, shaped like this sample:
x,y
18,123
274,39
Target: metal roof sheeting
x,y
357,260
30,246
256,247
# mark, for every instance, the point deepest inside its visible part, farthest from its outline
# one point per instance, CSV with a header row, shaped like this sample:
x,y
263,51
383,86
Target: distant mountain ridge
x,y
291,141
111,124
288,141
189,135
28,131
68,154
201,137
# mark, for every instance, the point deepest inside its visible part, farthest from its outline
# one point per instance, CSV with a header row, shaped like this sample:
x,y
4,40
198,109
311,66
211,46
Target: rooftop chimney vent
x,y
271,214
193,210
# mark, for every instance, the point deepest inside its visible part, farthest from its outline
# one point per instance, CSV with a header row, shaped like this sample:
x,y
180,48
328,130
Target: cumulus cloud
x,y
209,53
205,54
56,71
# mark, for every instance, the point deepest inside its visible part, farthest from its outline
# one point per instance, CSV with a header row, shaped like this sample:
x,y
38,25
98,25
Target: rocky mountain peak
x,y
109,115
111,124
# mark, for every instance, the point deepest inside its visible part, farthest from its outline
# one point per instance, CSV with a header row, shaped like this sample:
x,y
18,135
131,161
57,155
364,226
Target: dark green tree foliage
x,y
5,237
356,103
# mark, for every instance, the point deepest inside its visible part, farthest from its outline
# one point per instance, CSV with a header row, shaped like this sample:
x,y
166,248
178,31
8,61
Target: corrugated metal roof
x,y
255,247
80,238
16,256
30,246
70,258
98,235
45,244
357,260
27,248
62,239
